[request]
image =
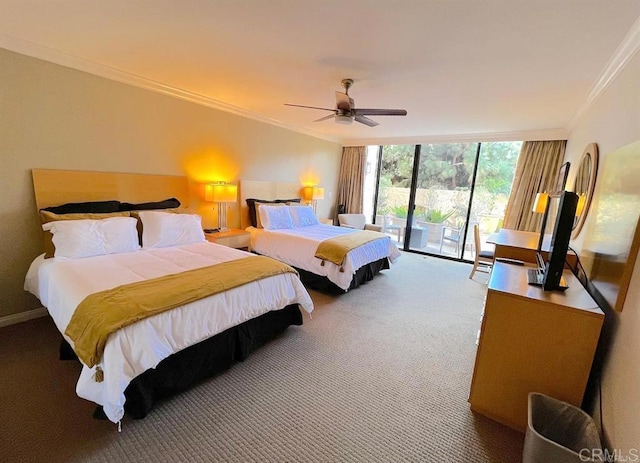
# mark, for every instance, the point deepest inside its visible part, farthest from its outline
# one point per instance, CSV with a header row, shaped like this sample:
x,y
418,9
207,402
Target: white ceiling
x,y
461,68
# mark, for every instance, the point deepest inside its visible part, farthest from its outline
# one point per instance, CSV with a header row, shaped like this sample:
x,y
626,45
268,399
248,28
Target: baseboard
x,y
22,316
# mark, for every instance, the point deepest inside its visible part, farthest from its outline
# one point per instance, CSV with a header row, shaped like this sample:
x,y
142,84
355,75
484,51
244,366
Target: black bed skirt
x,y
183,369
362,275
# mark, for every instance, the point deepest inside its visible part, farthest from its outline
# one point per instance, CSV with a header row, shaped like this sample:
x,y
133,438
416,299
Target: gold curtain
x,y
536,172
351,180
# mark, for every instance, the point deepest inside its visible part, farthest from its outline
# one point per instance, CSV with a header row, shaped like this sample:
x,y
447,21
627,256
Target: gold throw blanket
x,y
335,249
103,313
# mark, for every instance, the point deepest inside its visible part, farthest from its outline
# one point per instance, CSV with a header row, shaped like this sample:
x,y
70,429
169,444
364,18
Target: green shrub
x,y
400,211
437,216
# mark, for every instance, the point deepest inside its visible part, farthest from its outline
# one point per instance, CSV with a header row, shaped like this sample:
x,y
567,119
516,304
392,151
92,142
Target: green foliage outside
x,y
445,169
400,212
437,216
449,166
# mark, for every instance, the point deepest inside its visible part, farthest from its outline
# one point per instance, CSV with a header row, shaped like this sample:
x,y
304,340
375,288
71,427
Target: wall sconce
x,y
541,206
312,194
221,193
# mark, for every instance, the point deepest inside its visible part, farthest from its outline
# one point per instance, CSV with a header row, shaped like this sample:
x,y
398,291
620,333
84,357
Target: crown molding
x,y
523,135
619,60
80,64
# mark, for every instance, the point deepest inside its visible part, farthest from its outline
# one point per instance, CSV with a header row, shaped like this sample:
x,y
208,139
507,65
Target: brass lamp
x,y
312,194
541,206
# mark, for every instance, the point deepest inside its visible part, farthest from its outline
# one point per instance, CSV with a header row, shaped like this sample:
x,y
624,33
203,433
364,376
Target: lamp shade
x,y
312,192
540,203
580,207
307,193
221,193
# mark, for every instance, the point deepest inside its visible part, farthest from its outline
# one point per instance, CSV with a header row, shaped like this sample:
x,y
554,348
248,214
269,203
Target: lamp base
x,y
222,216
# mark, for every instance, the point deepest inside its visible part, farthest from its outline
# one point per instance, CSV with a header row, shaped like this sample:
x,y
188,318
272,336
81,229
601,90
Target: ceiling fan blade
x,y
365,120
325,118
380,112
342,101
309,107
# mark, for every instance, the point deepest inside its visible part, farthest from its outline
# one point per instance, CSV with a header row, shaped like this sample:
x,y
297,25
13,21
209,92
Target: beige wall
x,y
613,121
55,117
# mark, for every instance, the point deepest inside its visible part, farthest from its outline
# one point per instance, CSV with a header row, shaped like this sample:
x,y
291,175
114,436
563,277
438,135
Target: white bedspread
x,y
297,247
62,284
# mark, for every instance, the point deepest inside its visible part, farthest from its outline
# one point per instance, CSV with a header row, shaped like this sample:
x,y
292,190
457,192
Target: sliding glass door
x,y
394,187
442,196
428,197
496,169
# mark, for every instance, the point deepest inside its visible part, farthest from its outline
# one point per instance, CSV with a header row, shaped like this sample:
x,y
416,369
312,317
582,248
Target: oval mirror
x,y
584,184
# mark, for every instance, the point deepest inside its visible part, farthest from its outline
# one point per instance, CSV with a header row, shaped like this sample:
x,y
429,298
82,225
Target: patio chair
x,y
388,226
452,236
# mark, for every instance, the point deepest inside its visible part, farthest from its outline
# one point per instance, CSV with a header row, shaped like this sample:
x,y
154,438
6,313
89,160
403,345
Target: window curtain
x,y
351,180
538,166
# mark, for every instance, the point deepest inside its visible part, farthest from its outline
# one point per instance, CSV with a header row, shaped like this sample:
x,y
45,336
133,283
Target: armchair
x,y
357,221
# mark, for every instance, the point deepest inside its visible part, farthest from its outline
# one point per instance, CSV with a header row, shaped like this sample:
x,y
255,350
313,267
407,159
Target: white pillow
x,y
163,229
75,239
275,217
303,216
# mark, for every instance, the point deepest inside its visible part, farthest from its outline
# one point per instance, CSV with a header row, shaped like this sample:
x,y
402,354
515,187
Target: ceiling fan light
x,y
343,119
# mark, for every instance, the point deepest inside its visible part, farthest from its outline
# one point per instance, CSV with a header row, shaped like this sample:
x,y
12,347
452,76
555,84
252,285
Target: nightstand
x,y
233,237
326,221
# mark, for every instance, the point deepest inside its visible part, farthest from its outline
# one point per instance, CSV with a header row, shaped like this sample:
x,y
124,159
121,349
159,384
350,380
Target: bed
x,y
156,356
298,245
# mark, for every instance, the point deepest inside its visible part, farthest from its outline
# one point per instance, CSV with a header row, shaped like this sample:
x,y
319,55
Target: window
x,y
439,191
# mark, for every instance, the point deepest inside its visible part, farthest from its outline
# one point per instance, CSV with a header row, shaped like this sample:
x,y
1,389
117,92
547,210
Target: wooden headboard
x,y
264,190
55,187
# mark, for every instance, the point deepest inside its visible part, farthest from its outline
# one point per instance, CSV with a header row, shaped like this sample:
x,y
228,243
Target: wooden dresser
x,y
523,245
532,341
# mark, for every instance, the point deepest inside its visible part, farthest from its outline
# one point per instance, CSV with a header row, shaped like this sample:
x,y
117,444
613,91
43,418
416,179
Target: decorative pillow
x,y
90,207
170,203
74,239
253,213
303,216
275,218
48,216
163,229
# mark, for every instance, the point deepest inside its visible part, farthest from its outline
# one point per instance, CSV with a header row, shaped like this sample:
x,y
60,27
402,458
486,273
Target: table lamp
x,y
313,194
222,193
541,206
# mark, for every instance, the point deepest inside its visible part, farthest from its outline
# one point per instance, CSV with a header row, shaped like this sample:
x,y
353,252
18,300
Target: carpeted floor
x,y
380,374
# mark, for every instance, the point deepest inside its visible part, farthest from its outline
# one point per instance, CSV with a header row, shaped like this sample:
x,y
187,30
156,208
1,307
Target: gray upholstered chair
x,y
357,221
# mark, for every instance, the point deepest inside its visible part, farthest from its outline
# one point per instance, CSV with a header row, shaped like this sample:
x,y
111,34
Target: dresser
x,y
532,340
523,245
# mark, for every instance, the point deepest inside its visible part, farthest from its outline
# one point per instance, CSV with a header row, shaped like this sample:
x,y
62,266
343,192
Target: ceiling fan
x,y
345,111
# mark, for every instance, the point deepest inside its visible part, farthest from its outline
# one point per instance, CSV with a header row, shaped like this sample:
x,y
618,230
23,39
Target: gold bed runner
x,y
335,249
103,313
